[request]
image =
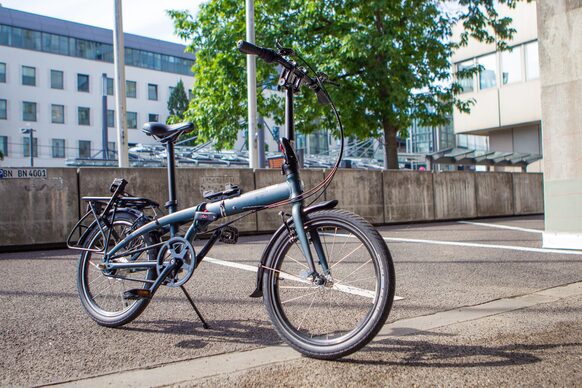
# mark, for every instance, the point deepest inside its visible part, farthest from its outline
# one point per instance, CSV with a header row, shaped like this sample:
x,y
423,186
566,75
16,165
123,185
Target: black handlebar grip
x,y
265,54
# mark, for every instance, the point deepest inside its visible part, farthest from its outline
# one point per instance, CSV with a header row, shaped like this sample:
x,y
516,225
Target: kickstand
x,y
204,324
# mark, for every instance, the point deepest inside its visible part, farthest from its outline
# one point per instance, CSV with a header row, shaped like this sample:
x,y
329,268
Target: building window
x,y
26,147
58,148
2,72
132,120
511,66
57,114
84,115
109,86
29,75
532,61
4,145
84,148
3,109
152,92
153,118
57,79
466,82
29,111
111,147
110,118
171,90
190,95
82,83
130,89
487,73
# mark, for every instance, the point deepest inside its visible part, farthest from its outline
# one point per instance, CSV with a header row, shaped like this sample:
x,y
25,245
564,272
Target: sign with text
x,y
11,173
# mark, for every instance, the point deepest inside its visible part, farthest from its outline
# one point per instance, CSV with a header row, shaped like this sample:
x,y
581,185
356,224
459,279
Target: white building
x,y
51,81
507,91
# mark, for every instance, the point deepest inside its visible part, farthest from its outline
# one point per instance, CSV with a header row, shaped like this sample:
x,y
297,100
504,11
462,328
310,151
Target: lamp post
x,y
29,131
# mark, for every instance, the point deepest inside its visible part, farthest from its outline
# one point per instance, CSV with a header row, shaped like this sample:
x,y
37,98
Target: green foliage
x,y
177,104
1,155
391,60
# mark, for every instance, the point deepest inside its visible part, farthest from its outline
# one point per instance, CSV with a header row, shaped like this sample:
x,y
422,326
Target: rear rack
x,y
99,208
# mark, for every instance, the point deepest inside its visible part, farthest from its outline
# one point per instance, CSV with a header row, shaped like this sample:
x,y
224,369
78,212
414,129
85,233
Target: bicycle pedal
x,y
137,293
229,235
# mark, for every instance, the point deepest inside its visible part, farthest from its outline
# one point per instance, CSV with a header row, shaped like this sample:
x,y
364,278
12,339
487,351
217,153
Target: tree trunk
x,y
390,147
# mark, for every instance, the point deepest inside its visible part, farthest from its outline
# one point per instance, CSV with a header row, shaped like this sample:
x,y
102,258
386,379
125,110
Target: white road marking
x,y
343,288
502,226
477,245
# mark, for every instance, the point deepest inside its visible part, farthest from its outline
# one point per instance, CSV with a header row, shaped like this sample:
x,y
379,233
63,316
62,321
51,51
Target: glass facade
x,y
130,89
57,79
152,92
511,66
3,109
84,115
532,61
87,49
29,75
82,83
2,72
132,120
58,148
488,72
57,114
425,139
29,111
84,148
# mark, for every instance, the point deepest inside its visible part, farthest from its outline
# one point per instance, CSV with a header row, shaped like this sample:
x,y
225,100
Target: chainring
x,y
177,248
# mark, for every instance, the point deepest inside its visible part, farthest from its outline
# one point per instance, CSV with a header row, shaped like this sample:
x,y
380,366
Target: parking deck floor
x,y
473,312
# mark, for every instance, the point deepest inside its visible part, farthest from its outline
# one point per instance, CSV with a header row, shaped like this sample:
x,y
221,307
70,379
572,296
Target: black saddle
x,y
166,133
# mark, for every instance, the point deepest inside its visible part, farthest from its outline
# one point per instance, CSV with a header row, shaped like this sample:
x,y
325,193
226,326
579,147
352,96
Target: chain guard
x,y
177,248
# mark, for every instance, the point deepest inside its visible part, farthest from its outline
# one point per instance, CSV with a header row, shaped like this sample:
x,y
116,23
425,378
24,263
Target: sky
x,y
140,17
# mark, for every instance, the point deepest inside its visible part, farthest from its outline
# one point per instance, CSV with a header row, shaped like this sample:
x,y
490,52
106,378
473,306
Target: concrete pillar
x,y
560,48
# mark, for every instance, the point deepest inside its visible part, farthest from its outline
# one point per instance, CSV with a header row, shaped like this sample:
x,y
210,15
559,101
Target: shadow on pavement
x,y
434,355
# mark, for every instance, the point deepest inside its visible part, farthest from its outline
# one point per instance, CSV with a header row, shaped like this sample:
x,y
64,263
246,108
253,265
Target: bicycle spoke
x,y
306,313
299,297
346,256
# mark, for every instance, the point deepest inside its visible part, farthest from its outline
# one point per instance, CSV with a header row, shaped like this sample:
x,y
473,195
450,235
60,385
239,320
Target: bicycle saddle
x,y
165,133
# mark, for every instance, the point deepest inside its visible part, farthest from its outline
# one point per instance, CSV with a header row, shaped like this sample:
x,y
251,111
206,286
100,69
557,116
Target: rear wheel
x,y
101,292
338,313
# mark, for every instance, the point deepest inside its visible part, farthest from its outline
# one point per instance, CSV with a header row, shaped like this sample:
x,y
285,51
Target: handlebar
x,y
271,56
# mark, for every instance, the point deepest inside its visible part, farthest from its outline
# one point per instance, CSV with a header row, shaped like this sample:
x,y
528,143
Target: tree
x,y
177,103
390,59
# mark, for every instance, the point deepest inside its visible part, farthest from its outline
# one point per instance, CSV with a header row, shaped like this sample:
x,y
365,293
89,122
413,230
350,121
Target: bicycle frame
x,y
291,189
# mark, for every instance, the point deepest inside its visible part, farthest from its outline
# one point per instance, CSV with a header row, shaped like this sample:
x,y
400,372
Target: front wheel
x,y
342,310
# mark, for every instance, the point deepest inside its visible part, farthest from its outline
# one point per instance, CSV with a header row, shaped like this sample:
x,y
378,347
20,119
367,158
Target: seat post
x,y
172,204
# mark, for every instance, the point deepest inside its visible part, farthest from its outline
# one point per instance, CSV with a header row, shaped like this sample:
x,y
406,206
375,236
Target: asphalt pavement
x,y
445,272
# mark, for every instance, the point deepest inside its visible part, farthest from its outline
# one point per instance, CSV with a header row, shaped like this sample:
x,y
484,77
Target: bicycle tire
x,y
89,277
355,309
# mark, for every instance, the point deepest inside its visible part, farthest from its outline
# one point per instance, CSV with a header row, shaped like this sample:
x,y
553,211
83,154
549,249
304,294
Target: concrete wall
x,y
408,196
528,194
494,194
42,211
454,195
359,191
38,210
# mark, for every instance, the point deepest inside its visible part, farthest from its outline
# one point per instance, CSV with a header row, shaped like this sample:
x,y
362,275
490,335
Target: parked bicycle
x,y
326,276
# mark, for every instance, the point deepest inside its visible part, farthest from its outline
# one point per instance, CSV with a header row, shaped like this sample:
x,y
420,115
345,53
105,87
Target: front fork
x,y
297,214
